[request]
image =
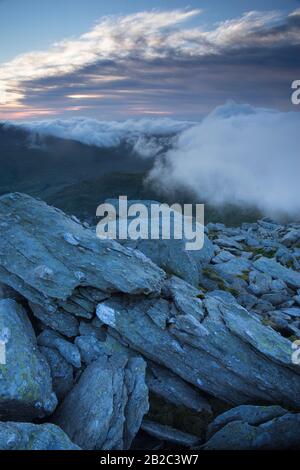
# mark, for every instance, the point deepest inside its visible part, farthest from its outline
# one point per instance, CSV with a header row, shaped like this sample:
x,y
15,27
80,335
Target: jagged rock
x,y
38,260
68,351
260,283
214,344
233,268
60,321
106,407
169,434
61,372
25,380
170,254
270,428
27,436
277,271
175,390
250,414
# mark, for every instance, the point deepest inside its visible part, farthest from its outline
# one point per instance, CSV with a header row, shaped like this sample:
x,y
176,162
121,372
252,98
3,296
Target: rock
x,y
247,300
217,346
38,262
233,268
227,242
277,271
60,321
169,434
291,238
170,254
27,436
223,257
249,431
61,372
173,389
293,312
260,283
250,414
275,298
25,380
106,407
68,351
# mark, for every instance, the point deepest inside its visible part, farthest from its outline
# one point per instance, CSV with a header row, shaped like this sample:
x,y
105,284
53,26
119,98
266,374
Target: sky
x,y
121,59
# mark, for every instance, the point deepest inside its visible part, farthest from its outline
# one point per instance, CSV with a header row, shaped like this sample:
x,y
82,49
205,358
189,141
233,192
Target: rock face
x,y
112,326
51,259
106,407
216,344
259,428
27,436
25,383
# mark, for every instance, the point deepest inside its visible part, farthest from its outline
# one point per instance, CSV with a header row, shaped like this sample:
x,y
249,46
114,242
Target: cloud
x,y
155,62
237,154
147,137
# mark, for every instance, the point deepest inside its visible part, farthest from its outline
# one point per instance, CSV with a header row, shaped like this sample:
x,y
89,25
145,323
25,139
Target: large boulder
x,y
214,344
106,407
259,428
170,254
58,264
27,436
25,380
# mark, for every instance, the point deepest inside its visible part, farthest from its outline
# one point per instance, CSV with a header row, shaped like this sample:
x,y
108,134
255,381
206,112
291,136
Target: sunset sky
x,y
120,59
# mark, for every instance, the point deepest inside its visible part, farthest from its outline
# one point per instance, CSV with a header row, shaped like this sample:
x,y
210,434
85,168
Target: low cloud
x,y
237,154
147,137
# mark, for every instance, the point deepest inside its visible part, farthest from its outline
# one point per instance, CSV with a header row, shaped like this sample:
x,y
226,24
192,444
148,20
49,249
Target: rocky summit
x,y
143,345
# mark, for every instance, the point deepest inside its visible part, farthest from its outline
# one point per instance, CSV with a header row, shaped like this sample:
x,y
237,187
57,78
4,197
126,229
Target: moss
x,y
244,275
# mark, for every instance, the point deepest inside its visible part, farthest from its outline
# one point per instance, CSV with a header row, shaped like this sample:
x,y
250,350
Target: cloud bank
x,y
147,137
237,154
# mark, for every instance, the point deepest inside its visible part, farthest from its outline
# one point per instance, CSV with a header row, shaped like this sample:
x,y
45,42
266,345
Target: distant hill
x,y
43,166
77,178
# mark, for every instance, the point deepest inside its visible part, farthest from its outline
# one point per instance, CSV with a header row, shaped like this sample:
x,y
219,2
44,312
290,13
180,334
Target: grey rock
x,y
25,380
223,257
68,351
297,299
260,283
61,372
247,300
172,388
60,321
44,267
27,436
218,347
291,238
277,433
250,414
275,298
233,268
277,271
106,407
169,434
292,312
